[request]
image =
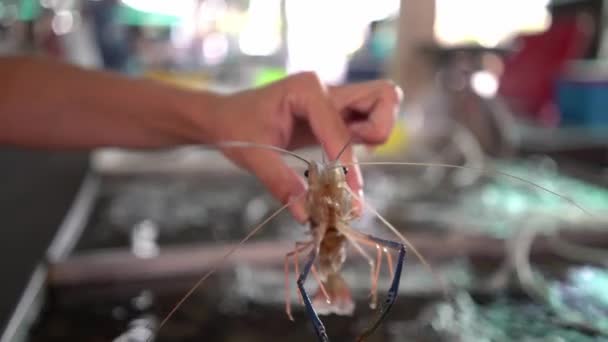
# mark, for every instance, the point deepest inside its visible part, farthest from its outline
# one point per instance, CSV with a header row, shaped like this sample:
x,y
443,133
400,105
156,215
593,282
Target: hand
x,y
299,111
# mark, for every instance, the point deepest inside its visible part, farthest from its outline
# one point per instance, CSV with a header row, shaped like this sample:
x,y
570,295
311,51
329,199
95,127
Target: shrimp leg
x,y
300,246
374,267
394,289
312,314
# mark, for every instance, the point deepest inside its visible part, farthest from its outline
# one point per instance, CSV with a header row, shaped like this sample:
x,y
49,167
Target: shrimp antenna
x,y
350,140
236,143
324,156
225,258
451,166
229,144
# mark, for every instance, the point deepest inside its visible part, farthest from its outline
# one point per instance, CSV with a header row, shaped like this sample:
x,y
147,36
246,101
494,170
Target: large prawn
x,y
329,204
329,207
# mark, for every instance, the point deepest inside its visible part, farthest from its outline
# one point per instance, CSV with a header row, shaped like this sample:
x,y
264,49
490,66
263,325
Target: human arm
x,y
48,104
53,105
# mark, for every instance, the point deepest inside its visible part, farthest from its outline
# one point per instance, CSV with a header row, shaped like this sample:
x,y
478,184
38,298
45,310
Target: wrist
x,y
199,111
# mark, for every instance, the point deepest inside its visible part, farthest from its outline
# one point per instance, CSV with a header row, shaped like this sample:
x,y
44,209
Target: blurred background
x,y
98,246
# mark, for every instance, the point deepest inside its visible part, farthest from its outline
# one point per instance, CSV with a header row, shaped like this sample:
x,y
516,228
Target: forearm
x,y
46,104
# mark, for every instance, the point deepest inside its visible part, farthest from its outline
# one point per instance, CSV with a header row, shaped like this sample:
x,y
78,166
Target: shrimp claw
x,y
312,314
393,290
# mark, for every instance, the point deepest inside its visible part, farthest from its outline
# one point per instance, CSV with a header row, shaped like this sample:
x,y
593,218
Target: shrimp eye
x,y
345,170
306,173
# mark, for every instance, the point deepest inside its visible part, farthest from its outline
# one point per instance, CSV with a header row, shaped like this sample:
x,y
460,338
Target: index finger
x,y
311,99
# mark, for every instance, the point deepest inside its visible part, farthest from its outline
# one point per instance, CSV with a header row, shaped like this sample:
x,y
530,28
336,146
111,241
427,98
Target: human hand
x,y
299,111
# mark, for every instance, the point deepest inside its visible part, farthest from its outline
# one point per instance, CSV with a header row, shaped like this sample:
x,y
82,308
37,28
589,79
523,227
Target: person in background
x,y
47,104
366,64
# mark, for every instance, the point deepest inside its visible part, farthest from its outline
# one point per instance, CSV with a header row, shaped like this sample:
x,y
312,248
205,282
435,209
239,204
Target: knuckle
x,y
309,76
308,79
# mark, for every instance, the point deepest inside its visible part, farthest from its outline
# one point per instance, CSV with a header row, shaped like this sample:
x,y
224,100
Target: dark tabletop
x,y
36,191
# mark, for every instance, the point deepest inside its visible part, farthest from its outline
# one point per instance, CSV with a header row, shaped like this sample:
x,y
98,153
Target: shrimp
x,y
329,207
328,202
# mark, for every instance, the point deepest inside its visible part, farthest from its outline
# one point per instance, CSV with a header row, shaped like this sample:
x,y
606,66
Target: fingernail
x,y
359,203
399,93
358,172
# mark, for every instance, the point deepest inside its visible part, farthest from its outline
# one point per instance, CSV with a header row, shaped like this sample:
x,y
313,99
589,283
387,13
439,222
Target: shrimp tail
x,y
340,299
